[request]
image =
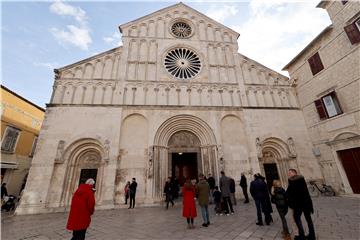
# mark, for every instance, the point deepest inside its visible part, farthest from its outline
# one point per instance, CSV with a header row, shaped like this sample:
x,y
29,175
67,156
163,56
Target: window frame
x,y
321,106
8,128
352,31
315,63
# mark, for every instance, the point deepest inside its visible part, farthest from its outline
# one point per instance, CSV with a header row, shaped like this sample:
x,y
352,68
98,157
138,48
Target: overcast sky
x,y
40,36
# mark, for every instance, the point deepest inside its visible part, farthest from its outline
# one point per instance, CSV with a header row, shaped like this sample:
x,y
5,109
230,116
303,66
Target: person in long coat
x,y
225,193
260,193
203,190
279,198
300,201
243,185
189,207
82,207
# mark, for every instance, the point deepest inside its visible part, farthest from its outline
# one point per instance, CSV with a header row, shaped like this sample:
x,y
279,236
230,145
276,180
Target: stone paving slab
x,y
334,218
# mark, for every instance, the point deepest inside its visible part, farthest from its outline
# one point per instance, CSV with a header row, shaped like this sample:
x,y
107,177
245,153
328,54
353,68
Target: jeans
x,y
205,213
226,202
244,190
169,199
79,234
297,219
218,207
132,200
283,221
261,207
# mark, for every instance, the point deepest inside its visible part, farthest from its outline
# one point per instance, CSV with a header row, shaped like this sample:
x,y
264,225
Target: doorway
x,y
184,165
85,174
350,159
271,173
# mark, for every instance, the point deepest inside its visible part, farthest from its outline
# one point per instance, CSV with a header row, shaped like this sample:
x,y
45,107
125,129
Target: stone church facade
x,y
177,99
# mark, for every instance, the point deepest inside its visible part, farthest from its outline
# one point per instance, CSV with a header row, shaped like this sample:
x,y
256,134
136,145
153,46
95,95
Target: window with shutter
x,y
10,139
320,109
315,63
328,106
353,31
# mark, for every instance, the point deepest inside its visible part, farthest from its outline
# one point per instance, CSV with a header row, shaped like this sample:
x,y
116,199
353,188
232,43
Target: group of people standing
x,y
296,197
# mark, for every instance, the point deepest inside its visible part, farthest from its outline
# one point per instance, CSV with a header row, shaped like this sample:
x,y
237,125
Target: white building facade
x,y
327,78
177,99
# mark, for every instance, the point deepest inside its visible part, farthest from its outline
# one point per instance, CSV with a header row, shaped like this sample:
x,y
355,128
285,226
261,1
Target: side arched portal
x,y
83,159
275,160
188,133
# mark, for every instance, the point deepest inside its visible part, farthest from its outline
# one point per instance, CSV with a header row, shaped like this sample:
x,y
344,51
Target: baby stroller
x,y
9,203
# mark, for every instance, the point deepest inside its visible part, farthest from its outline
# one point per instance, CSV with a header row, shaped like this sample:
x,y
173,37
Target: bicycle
x,y
324,190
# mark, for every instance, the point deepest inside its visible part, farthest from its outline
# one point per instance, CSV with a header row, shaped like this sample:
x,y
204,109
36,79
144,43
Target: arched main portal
x,y
182,134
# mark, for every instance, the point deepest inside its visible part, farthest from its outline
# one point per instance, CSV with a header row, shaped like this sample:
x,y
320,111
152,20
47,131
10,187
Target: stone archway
x,y
276,158
185,128
84,154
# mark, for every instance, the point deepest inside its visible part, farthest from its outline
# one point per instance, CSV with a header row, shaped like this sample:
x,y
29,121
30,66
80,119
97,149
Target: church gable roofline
x,y
88,59
122,26
263,66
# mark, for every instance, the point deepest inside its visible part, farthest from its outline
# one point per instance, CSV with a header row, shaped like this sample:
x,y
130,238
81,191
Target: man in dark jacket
x,y
132,192
260,193
243,185
300,201
225,193
168,190
211,182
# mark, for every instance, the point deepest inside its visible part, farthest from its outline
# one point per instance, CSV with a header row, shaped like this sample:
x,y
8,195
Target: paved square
x,y
334,218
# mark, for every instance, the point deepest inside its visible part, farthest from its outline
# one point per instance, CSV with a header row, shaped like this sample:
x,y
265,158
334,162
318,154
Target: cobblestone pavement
x,y
334,218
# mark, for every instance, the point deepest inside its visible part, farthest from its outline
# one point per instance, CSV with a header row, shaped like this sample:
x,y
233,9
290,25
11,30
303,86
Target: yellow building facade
x,y
20,126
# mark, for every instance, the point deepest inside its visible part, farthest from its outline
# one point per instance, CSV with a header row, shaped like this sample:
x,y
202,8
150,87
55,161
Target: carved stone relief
x,y
184,139
106,150
60,152
258,148
291,145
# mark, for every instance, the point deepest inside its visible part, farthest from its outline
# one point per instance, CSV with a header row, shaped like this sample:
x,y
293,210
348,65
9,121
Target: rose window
x,y
181,29
182,63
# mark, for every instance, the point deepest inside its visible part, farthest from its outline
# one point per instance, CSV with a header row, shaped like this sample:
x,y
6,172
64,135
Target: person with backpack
x,y
279,198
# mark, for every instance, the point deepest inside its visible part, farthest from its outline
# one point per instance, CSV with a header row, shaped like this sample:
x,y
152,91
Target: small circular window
x,y
182,63
181,30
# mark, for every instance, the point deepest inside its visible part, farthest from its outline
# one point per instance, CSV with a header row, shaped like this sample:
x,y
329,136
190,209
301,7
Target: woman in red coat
x,y
189,207
82,207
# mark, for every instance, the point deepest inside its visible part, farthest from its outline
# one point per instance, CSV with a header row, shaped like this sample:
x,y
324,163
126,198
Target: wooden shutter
x,y
321,109
315,63
353,33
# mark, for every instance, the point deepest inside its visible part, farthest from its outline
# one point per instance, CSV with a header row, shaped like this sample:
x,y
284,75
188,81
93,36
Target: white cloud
x,y
78,36
221,13
50,66
61,8
277,30
114,39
